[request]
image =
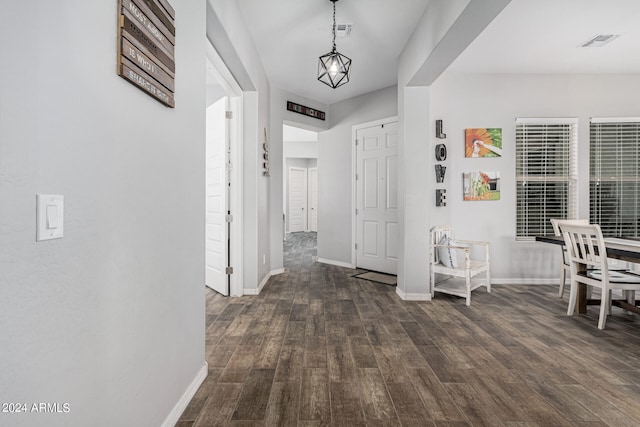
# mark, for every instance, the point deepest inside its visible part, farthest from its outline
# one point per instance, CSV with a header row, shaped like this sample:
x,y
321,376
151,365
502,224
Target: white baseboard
x,y
337,263
522,281
179,408
412,297
263,282
260,286
256,291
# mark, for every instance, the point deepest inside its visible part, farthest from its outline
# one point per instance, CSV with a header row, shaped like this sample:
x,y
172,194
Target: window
x,y
546,174
614,161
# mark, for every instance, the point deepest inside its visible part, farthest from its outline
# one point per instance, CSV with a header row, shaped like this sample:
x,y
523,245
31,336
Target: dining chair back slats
x,y
564,268
587,251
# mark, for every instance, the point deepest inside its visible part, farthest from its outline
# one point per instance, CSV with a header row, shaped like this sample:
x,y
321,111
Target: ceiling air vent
x,y
600,40
343,30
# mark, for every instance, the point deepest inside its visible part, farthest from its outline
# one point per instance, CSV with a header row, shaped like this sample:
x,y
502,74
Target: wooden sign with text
x,y
146,43
301,109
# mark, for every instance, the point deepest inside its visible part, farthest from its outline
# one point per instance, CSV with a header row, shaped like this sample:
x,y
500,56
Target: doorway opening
x,y
223,178
300,186
300,180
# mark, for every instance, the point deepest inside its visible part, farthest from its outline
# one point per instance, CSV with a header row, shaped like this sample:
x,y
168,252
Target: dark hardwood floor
x,y
319,347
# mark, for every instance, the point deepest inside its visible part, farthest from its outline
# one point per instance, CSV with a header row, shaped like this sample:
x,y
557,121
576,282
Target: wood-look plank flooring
x,y
319,347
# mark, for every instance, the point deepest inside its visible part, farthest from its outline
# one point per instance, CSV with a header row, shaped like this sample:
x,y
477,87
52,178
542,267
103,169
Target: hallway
x,y
318,347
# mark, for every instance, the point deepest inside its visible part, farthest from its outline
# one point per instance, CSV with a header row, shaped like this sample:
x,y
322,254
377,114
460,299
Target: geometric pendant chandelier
x,y
333,67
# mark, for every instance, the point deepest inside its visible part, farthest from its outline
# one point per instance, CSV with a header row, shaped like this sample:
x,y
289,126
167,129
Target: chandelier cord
x,y
334,26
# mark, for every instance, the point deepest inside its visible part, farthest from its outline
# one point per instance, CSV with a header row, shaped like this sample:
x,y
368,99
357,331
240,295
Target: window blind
x,y
614,184
546,174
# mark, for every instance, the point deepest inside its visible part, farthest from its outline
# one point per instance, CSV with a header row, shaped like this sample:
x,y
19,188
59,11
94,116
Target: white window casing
x,y
546,174
614,177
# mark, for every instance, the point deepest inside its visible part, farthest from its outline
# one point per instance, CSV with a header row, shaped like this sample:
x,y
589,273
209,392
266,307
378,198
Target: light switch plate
x,y
49,217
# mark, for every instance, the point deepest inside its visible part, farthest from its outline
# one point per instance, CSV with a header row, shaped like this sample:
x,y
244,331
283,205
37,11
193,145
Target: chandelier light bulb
x,y
333,68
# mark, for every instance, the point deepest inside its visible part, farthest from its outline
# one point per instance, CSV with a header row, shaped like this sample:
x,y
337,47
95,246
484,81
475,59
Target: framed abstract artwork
x,y
483,142
481,186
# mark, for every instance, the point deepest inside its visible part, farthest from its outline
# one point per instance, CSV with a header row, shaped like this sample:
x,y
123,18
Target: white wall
x,y
232,41
335,172
302,163
470,101
446,28
300,149
109,319
414,131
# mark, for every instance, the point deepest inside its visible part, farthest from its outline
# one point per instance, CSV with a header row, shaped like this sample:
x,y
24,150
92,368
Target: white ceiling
x,y
529,36
542,36
290,35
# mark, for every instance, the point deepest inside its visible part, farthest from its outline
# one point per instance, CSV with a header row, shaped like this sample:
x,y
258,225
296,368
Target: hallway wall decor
x,y
441,197
440,171
439,133
441,152
441,156
306,111
146,42
265,155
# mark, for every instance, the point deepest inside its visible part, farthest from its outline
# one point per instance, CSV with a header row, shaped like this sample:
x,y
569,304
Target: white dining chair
x,y
564,266
588,262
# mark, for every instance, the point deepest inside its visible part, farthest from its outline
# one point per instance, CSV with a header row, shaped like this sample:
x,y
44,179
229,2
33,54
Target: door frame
x,y
234,93
354,168
309,197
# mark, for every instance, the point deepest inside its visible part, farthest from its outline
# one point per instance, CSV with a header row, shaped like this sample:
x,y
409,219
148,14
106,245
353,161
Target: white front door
x,y
216,246
297,199
313,199
377,198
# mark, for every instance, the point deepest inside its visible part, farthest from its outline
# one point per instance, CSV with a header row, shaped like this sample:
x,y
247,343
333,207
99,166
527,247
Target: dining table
x,y
622,248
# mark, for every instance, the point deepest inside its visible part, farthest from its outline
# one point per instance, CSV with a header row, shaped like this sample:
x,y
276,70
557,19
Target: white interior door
x,y
217,243
297,199
377,198
313,199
